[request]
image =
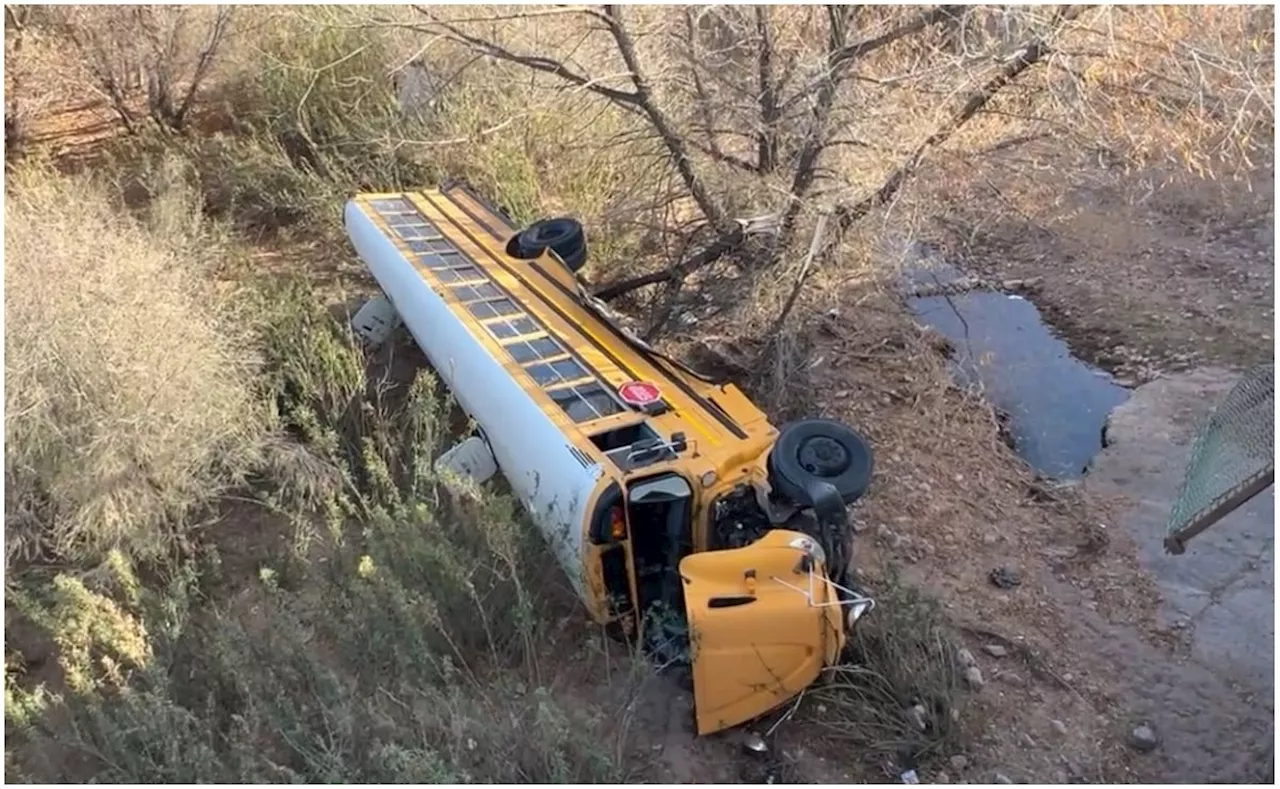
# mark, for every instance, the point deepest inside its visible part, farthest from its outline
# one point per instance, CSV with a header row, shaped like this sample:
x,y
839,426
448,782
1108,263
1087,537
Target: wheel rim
x,y
823,456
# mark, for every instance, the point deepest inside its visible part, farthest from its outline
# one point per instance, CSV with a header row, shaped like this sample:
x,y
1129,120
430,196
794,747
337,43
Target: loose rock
x,y
1005,577
919,717
1001,778
966,658
995,650
942,778
1059,726
959,762
973,676
1143,739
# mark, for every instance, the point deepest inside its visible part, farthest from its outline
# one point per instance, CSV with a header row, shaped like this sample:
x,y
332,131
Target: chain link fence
x,y
1233,458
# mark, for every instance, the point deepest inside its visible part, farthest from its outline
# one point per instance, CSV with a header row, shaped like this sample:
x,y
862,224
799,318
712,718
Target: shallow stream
x,y
1056,404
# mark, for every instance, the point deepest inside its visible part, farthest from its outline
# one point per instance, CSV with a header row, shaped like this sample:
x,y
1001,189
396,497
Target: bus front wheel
x,y
820,449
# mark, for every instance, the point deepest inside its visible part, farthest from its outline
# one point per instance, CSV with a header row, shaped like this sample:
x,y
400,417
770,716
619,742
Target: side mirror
x,y
754,743
827,504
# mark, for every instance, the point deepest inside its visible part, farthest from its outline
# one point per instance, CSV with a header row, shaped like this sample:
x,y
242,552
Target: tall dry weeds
x,y
405,643
128,397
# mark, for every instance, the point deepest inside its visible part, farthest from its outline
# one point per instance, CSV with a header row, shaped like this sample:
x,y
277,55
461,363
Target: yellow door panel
x,y
755,638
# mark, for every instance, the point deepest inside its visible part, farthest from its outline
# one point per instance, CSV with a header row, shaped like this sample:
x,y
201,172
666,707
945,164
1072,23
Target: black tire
x,y
820,449
562,235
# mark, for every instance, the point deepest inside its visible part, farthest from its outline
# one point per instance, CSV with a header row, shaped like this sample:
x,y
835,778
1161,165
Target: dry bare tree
x,y
764,93
163,52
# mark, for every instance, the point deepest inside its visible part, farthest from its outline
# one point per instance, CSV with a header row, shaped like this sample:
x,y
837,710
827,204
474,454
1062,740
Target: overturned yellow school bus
x,y
681,516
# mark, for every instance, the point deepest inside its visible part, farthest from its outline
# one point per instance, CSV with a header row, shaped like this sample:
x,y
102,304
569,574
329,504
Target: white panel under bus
x,y
531,450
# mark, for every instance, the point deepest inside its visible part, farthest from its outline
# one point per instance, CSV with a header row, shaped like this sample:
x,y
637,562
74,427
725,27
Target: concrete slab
x,y
1223,587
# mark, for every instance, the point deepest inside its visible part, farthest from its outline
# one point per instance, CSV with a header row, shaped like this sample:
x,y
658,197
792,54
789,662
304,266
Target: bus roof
x,y
559,345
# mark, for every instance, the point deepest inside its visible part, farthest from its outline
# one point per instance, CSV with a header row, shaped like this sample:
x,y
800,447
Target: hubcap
x,y
823,456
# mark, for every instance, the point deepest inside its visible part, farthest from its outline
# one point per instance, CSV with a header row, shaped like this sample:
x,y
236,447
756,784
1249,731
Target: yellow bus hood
x,y
762,626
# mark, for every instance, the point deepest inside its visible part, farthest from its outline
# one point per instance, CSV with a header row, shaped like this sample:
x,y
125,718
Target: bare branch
x,y
702,101
813,144
545,65
847,55
1029,53
840,57
523,13
713,252
726,158
674,142
221,22
767,142
814,246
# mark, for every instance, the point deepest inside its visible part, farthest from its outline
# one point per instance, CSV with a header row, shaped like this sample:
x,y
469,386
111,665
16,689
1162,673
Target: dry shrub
x,y
164,52
1190,84
100,639
129,396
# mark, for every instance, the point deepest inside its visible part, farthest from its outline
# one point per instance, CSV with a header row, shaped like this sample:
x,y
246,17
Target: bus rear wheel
x,y
820,449
562,235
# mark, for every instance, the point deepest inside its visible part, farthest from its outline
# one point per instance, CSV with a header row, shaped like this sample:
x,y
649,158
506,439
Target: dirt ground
x,y
1143,275
1141,281
956,506
949,504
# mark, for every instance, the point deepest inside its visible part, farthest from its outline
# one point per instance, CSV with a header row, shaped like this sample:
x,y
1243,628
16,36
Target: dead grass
x,y
129,400
898,697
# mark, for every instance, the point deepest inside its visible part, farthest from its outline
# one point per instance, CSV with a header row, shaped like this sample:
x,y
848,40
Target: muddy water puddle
x,y
1055,403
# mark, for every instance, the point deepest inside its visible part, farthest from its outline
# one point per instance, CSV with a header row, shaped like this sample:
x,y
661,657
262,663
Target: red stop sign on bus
x,y
639,393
